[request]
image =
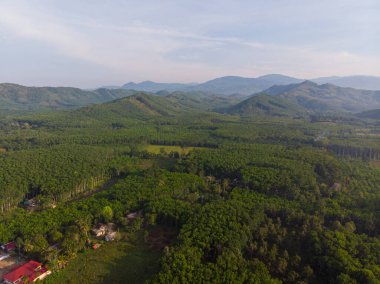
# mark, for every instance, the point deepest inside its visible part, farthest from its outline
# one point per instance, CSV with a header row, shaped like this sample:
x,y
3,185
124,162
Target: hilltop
x,y
263,104
17,97
327,97
229,85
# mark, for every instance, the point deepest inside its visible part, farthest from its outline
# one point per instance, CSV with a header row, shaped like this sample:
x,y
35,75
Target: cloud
x,y
25,21
195,42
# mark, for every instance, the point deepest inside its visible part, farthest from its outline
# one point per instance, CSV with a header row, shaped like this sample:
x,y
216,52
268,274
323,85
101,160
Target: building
x,y
29,272
100,231
133,215
105,230
96,246
111,236
9,247
3,256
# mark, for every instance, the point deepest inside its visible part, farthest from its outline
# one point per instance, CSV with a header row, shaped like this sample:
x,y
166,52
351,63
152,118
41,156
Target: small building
x,y
96,246
100,231
4,256
11,246
29,272
133,215
105,230
110,236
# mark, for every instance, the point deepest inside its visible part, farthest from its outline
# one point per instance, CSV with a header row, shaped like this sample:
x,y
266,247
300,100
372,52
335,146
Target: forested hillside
x,y
327,97
229,85
16,97
259,191
267,105
373,114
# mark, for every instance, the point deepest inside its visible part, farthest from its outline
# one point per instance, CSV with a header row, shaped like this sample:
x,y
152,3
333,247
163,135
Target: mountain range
x,y
278,100
229,85
294,100
327,97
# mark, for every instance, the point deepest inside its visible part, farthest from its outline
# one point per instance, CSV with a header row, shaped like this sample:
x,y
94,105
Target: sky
x,y
92,43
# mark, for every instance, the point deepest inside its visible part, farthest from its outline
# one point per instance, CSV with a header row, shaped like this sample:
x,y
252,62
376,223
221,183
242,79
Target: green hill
x,y
16,97
327,97
371,114
201,100
140,105
263,104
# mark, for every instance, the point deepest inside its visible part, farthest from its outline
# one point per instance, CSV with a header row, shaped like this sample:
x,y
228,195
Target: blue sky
x,y
90,43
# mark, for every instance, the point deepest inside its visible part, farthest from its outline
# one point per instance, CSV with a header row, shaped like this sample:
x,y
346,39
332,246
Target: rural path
x,y
104,186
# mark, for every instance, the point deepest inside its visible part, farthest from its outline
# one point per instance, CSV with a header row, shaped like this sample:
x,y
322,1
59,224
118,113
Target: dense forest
x,y
257,191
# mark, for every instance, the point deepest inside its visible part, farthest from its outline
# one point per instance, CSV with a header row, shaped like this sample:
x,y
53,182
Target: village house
x,y
100,231
4,255
108,231
11,246
29,272
96,246
111,236
133,215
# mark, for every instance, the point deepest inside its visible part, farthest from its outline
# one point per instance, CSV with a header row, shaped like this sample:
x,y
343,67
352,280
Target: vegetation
x,y
126,260
327,97
271,197
16,97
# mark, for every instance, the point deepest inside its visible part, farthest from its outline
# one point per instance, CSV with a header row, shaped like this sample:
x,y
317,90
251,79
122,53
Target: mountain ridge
x,y
18,97
229,85
327,97
267,105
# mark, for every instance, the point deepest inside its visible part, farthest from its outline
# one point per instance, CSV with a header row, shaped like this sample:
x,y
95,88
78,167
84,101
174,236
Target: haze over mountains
x,y
267,95
17,97
327,97
246,86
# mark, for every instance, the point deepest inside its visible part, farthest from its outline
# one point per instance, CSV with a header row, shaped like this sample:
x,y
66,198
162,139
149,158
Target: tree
x,y
107,214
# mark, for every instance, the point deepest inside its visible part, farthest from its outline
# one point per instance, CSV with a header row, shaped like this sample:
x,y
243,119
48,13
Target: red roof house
x,y
9,246
31,271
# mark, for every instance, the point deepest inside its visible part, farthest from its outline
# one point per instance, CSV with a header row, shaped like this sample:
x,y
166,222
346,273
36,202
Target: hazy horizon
x,y
88,44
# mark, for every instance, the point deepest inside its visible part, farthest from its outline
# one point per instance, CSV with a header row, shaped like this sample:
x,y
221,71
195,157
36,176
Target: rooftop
x,y
31,269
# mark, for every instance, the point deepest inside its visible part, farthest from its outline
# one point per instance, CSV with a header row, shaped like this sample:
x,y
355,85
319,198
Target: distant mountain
x,y
327,97
278,79
233,85
228,85
357,82
149,86
371,114
17,97
201,100
205,96
110,87
263,104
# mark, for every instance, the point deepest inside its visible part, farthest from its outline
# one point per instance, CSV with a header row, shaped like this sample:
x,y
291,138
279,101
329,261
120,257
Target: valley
x,y
278,187
189,142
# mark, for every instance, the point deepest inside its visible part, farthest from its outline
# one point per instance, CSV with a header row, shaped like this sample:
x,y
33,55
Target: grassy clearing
x,y
126,261
157,149
375,164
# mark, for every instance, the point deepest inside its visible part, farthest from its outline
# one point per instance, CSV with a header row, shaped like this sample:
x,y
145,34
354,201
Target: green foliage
x,y
256,199
107,214
16,97
262,104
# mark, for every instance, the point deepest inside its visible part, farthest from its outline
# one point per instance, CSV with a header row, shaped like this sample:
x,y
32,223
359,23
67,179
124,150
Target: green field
x,y
159,149
126,261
